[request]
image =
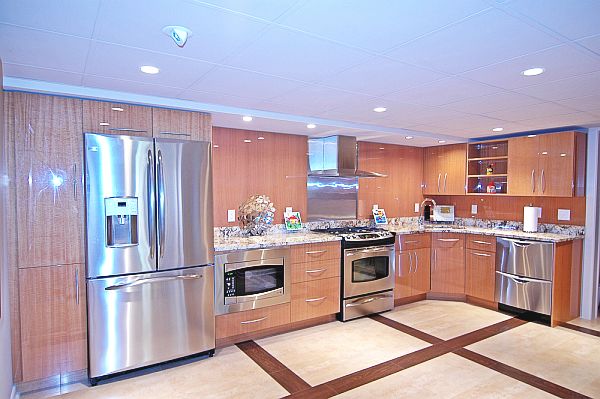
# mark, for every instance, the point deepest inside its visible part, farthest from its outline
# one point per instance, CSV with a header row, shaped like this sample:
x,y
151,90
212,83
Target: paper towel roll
x,y
530,219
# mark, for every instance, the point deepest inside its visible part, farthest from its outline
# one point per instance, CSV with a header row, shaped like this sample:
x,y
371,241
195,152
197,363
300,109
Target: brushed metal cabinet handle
x,y
315,299
127,129
543,182
316,271
448,239
533,180
176,134
435,259
409,262
75,181
77,286
254,321
482,242
480,254
416,262
439,178
445,180
411,242
316,252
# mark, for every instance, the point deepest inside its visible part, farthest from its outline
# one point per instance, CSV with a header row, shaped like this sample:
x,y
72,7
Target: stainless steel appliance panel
x,y
119,166
138,320
184,203
533,259
368,270
332,198
366,305
524,293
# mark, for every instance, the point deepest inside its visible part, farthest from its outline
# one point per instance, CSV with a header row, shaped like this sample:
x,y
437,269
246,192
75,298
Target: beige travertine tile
x,y
591,324
447,376
332,350
230,374
565,357
445,319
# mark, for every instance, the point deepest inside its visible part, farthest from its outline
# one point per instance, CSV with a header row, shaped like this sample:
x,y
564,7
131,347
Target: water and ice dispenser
x,y
121,221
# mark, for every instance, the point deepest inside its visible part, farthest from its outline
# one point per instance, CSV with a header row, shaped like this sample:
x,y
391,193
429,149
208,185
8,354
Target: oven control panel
x,y
230,284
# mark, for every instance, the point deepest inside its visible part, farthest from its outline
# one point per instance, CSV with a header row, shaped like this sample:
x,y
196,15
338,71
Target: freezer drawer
x,y
524,293
144,319
532,259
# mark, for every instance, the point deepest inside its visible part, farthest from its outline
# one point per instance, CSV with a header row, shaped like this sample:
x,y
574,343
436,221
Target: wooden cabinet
x,y
48,179
447,263
315,298
115,118
551,165
317,270
182,125
53,320
412,265
251,320
315,252
444,170
480,265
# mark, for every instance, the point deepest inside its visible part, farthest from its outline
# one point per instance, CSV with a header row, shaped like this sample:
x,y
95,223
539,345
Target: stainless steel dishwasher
x,y
524,274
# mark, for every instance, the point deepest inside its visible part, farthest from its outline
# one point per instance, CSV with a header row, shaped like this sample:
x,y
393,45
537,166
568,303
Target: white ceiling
x,y
444,69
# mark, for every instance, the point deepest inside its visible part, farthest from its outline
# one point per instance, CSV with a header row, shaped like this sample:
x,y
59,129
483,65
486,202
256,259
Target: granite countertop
x,y
237,243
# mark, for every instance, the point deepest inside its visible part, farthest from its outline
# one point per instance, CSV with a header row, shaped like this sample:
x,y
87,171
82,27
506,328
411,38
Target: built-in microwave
x,y
253,279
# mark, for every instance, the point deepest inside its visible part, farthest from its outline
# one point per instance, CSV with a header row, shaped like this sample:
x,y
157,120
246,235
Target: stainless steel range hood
x,y
335,156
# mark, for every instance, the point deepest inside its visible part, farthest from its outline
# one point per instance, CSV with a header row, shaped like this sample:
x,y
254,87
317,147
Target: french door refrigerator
x,y
150,273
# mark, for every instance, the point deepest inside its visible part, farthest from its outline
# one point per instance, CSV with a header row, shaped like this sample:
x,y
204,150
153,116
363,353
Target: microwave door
x,y
183,203
120,222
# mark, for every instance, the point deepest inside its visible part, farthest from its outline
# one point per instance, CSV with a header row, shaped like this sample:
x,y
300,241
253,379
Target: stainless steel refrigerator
x,y
150,273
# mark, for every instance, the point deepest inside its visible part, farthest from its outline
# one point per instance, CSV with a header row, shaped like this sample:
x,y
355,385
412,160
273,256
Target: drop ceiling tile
x,y
556,121
122,62
216,33
294,55
578,86
560,62
475,123
569,18
592,43
45,74
129,86
493,102
259,124
316,100
381,75
243,83
482,40
414,114
587,103
42,49
378,27
442,92
222,99
266,9
63,16
531,111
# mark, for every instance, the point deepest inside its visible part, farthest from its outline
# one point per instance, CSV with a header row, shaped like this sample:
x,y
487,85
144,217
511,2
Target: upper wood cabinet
x,y
447,263
48,179
444,170
115,118
551,165
182,125
53,320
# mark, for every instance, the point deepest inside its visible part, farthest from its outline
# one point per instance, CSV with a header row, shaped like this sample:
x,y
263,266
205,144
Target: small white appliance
x,y
443,213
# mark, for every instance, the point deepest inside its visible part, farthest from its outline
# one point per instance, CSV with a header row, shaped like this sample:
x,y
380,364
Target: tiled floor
x,y
422,350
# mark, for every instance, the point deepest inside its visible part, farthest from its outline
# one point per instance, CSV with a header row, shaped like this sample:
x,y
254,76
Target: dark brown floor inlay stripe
x,y
406,329
530,379
581,329
277,370
483,333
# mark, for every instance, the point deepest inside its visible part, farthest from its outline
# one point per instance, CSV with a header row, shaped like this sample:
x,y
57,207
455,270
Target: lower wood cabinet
x,y
480,274
53,320
413,273
237,323
448,263
317,270
315,298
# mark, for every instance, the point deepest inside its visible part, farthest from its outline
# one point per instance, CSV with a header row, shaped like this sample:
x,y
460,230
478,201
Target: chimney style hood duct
x,y
335,156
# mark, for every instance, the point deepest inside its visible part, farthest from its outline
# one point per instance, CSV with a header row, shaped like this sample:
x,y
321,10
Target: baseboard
x,y
446,297
482,303
409,299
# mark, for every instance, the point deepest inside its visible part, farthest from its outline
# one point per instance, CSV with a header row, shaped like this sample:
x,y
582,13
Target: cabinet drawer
x,y
447,240
317,270
315,298
414,241
252,320
317,251
481,242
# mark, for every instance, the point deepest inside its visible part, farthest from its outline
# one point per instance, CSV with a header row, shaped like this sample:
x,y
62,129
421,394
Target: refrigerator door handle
x,y
150,199
152,280
161,205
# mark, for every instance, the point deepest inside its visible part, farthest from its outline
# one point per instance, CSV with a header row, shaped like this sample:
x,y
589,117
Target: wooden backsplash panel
x,y
396,193
275,166
511,208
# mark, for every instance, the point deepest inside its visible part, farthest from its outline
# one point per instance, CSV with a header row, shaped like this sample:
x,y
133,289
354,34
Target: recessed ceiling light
x,y
247,118
104,124
409,137
441,141
311,126
247,141
497,129
531,135
261,138
152,70
118,109
533,71
380,109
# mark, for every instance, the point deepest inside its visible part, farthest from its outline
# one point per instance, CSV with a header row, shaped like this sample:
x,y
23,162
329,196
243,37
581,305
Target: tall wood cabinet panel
x,y
116,118
447,263
182,125
53,324
48,179
444,170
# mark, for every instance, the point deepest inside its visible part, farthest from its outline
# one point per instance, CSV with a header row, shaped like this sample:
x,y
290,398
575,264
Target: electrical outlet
x,y
288,210
375,206
564,214
474,209
539,212
417,207
231,215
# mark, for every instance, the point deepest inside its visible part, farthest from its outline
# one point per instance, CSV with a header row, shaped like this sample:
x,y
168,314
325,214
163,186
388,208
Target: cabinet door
x,y
523,172
421,277
455,169
432,170
447,263
402,288
480,274
48,180
115,118
315,298
53,329
182,125
556,164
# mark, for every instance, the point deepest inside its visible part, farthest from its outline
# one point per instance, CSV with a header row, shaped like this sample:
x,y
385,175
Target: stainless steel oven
x,y
251,279
368,270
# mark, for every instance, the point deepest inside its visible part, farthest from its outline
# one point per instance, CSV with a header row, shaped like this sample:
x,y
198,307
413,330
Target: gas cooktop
x,y
358,233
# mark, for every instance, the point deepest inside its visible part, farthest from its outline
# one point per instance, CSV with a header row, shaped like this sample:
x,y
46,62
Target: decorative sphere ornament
x,y
256,214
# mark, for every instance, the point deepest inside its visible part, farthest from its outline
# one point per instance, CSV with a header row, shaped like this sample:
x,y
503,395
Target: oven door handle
x,y
370,251
368,300
258,296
